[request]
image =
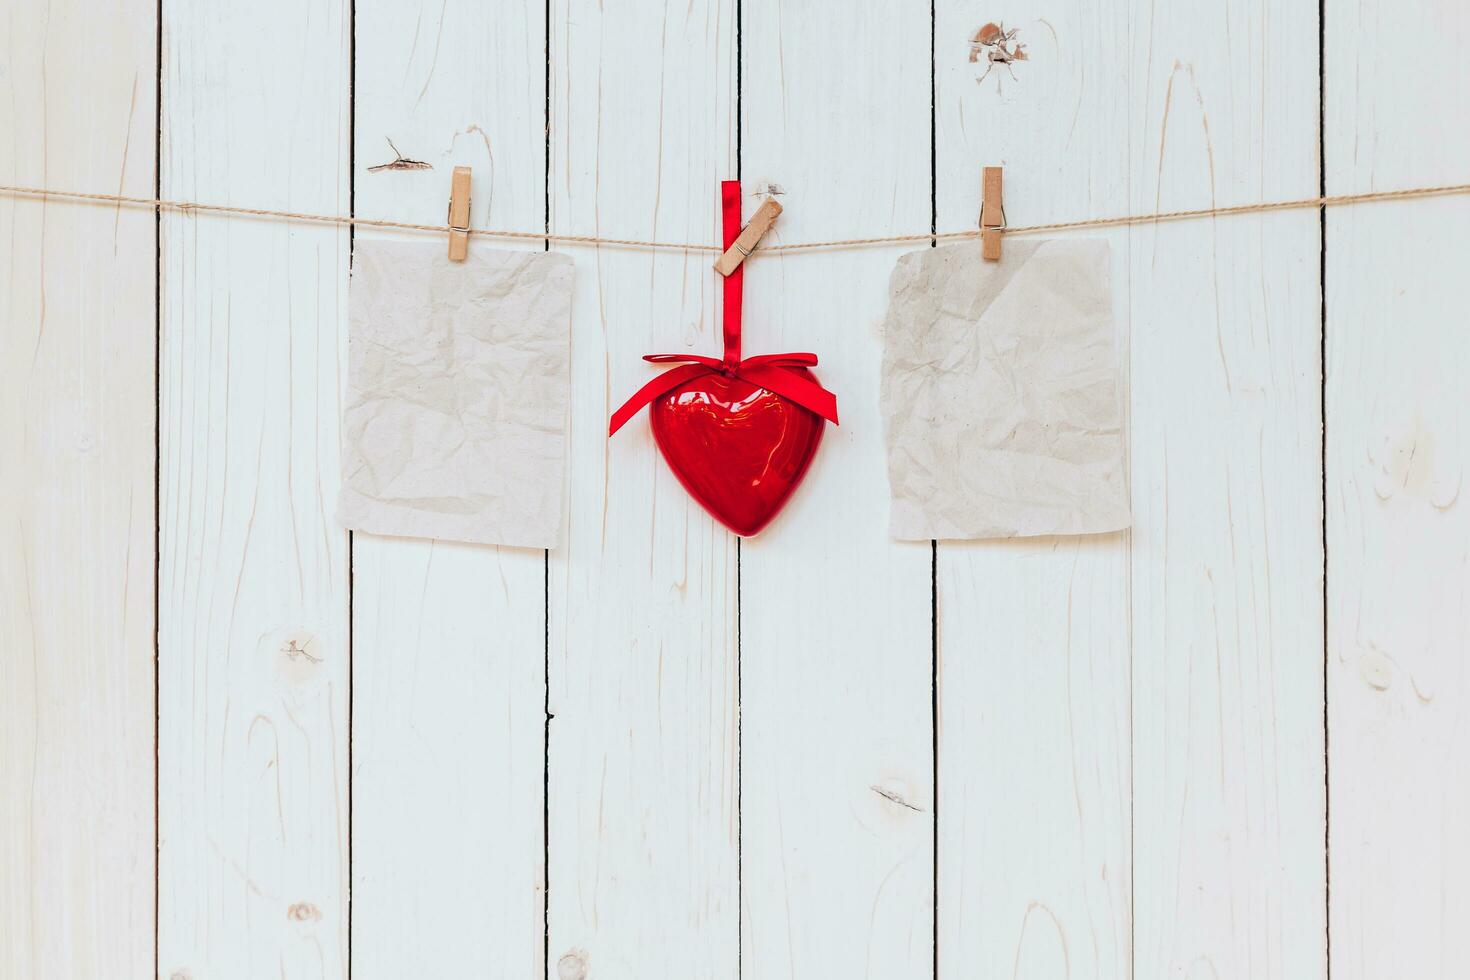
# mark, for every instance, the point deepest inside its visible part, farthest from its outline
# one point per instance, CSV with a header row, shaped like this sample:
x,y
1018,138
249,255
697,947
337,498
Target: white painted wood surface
x,y
1226,564
739,776
836,749
76,493
449,639
642,768
1398,444
1033,634
253,578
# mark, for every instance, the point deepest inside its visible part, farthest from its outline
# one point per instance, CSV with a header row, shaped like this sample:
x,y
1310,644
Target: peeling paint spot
x,y
997,46
299,654
400,162
297,647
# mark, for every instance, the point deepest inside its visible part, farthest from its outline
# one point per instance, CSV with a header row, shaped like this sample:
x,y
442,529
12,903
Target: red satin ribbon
x,y
771,371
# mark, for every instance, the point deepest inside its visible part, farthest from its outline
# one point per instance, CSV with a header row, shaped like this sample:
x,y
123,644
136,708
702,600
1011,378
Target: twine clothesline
x,y
165,204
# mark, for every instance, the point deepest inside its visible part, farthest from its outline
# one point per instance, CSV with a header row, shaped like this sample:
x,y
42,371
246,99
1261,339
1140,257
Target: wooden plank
x,y
448,639
837,810
253,577
1398,443
76,492
1034,769
643,743
1226,573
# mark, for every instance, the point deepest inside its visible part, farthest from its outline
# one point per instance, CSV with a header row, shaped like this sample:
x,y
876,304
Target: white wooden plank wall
x,y
656,750
448,648
1226,564
253,579
1398,444
643,763
1034,769
836,747
77,333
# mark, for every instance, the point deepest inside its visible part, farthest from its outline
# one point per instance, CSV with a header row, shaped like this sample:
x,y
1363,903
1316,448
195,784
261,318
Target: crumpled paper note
x,y
1000,393
455,424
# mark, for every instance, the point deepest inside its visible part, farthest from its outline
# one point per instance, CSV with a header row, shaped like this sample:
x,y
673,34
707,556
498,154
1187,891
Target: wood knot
x,y
299,655
572,965
303,912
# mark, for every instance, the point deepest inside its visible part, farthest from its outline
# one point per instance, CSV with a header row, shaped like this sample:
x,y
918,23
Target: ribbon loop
x,y
781,373
735,281
713,362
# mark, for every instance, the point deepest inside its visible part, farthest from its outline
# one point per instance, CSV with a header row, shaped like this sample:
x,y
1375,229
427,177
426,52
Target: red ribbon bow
x,y
770,371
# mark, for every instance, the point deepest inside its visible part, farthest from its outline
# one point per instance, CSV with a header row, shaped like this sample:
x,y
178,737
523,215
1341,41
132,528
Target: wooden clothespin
x,y
744,244
992,214
459,214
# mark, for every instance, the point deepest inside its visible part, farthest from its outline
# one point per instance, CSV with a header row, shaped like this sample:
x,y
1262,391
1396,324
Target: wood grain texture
x,y
1226,570
837,811
76,493
1034,769
253,631
448,639
642,675
1398,443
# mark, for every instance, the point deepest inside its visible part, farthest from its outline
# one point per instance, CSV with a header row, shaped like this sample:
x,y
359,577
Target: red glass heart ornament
x,y
739,449
738,432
